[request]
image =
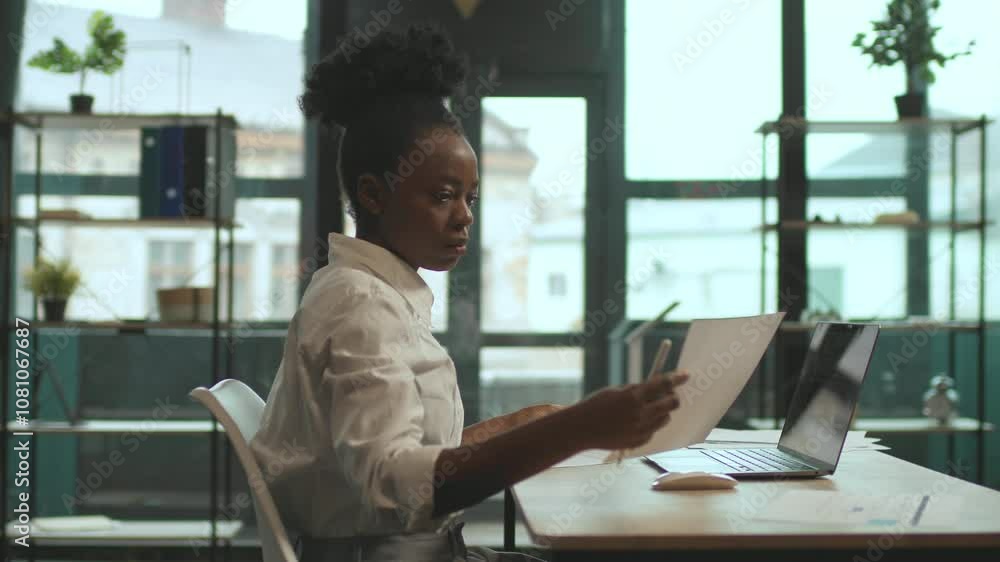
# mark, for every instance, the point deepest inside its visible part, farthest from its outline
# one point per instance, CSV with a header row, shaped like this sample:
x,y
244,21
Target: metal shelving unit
x,y
211,531
911,128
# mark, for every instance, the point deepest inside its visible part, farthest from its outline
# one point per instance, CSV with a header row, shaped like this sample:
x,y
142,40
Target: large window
x,y
700,78
962,90
704,253
184,56
534,162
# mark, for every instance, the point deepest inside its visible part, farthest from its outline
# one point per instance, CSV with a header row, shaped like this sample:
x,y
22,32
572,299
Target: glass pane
x,y
858,273
967,87
268,287
511,378
438,282
533,185
705,253
700,78
832,64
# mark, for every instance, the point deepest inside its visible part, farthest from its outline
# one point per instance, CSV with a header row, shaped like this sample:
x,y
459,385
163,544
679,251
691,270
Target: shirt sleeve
x,y
376,413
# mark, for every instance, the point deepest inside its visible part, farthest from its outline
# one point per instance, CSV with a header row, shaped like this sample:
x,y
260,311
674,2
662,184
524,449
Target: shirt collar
x,y
347,251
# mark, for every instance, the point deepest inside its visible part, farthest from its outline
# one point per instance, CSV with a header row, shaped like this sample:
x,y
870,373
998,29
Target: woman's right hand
x,y
626,417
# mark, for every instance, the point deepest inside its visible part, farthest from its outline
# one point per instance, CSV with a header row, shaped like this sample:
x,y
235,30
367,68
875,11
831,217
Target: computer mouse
x,y
694,481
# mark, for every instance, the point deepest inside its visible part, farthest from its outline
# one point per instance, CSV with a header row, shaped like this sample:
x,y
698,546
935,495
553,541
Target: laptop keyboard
x,y
756,460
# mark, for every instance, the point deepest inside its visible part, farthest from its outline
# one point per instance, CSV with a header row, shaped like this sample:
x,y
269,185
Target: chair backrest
x,y
238,408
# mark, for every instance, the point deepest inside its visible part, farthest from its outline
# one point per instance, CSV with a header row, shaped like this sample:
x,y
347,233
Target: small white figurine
x,y
941,400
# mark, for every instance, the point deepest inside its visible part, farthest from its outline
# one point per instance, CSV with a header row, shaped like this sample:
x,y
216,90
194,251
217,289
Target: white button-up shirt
x,y
364,400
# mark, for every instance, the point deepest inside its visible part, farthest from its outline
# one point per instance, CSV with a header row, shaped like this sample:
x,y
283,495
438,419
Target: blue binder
x,y
172,172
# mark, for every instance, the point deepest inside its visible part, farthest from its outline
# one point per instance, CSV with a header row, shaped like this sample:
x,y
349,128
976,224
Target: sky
x,y
702,76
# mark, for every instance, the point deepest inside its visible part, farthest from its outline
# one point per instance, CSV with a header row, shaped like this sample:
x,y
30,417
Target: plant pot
x,y
55,309
909,106
81,103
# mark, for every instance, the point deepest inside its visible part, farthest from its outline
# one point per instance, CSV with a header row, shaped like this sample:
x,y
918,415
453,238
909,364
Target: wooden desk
x,y
604,512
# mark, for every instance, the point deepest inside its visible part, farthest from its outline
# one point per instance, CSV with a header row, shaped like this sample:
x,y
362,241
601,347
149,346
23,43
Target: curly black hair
x,y
384,91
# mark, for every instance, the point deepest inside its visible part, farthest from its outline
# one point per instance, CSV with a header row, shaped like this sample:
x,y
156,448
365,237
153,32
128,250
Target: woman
x,y
362,441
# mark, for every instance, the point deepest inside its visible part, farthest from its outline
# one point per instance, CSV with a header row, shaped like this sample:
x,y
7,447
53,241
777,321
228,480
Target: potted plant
x,y
906,37
105,54
53,282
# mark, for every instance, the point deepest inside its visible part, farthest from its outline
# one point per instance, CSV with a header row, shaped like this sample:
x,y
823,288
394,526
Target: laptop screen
x,y
820,413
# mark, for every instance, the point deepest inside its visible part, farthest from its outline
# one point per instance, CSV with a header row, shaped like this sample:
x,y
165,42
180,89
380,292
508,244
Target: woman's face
x,y
428,216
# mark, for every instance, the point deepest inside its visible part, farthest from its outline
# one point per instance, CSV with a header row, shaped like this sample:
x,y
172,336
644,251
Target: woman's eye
x,y
443,196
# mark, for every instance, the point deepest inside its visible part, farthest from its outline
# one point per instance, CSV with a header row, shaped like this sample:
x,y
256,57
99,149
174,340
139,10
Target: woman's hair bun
x,y
418,61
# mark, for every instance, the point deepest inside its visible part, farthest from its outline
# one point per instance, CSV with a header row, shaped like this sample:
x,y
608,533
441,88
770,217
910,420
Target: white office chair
x,y
238,408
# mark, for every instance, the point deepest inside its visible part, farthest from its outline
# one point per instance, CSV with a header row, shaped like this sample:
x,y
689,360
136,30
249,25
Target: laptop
x,y
818,417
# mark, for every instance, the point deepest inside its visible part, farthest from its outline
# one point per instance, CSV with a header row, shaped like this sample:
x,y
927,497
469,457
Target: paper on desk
x,y
903,510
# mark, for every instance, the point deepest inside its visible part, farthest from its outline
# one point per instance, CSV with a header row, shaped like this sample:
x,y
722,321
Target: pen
x,y
658,362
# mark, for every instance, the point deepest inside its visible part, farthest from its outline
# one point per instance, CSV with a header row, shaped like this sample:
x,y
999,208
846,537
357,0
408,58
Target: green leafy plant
x,y
53,280
105,54
906,37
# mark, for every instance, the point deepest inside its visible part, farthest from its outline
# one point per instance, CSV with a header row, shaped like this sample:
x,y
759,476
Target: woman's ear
x,y
372,194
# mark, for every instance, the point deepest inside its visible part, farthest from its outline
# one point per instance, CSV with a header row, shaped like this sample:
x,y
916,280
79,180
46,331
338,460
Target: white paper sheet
x,y
720,354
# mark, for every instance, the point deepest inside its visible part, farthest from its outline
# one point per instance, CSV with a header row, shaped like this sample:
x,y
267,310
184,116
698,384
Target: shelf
x,y
98,427
811,225
181,222
115,121
122,326
884,326
915,125
897,425
135,533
